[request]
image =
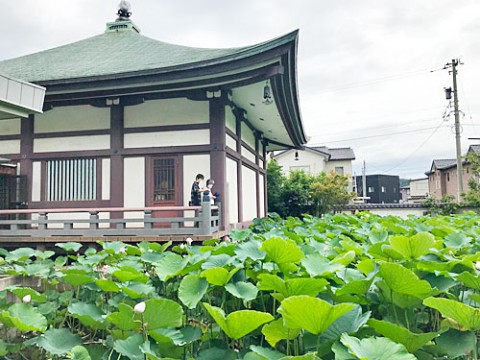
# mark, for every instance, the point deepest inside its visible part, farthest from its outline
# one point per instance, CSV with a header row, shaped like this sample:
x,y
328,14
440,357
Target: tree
x,y
275,179
297,194
329,191
472,196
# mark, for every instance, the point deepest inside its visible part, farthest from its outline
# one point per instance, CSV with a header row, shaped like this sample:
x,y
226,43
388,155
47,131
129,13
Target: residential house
x,y
380,189
415,191
129,121
316,159
443,177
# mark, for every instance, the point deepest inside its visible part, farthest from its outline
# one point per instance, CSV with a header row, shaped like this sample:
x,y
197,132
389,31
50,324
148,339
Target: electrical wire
x,y
400,76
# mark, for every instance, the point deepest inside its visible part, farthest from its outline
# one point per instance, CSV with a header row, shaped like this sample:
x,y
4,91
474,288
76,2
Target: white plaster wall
x,y
314,161
72,118
230,121
231,142
247,135
418,187
167,112
167,138
10,127
9,146
249,190
232,192
346,164
72,143
106,179
261,188
134,182
193,165
248,154
36,180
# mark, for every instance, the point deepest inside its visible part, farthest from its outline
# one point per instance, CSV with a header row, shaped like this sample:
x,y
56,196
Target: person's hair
x,y
200,176
210,182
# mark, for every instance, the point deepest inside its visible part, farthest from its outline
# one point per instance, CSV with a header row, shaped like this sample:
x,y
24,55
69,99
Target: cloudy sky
x,y
370,72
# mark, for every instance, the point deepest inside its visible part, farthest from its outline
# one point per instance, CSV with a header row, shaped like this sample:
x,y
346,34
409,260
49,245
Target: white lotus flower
x,y
123,250
477,265
27,298
182,246
189,241
140,308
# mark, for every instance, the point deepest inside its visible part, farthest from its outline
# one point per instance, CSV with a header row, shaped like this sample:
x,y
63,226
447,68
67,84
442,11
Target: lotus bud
x,y
123,250
182,246
189,241
27,298
140,308
477,265
326,248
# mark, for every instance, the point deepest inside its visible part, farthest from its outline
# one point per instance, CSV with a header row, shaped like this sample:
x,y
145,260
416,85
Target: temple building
x,y
128,122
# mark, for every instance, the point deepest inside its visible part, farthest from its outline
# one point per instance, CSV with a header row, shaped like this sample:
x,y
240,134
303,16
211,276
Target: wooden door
x,y
165,187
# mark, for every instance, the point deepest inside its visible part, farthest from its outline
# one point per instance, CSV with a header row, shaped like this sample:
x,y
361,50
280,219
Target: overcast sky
x,y
364,67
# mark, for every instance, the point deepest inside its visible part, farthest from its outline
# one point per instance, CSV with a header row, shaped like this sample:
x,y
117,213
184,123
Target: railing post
x,y
219,204
206,218
93,220
42,220
147,216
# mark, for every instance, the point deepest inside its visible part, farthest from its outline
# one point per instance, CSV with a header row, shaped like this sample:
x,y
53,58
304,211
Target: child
x,y
195,193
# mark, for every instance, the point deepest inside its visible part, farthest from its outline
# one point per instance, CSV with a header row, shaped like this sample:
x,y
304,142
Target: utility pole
x,y
364,182
454,64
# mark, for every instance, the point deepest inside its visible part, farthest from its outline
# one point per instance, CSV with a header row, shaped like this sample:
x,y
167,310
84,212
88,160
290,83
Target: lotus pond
x,y
341,287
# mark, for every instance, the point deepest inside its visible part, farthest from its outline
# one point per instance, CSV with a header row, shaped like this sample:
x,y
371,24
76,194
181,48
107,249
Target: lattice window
x,y
164,180
72,180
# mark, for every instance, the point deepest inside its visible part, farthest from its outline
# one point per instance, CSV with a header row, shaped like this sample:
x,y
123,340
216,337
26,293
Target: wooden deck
x,y
86,225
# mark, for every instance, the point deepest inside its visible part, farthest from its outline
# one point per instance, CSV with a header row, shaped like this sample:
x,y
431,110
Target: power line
x,y
400,76
379,135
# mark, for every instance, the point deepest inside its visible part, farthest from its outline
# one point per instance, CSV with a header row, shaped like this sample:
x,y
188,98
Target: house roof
x,y
331,154
122,62
121,49
441,164
345,153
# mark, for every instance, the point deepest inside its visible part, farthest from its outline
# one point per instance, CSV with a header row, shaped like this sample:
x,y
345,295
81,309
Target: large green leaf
x,y
401,335
129,273
138,290
275,331
282,251
309,313
308,356
124,318
69,246
130,347
191,290
317,265
375,348
162,313
218,276
57,341
239,323
76,277
107,285
88,314
242,290
79,353
24,317
291,287
348,323
457,240
170,265
467,316
469,280
413,247
404,281
250,250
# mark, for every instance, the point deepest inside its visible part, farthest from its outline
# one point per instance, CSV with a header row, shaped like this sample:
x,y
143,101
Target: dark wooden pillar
x,y
26,152
238,130
116,160
218,155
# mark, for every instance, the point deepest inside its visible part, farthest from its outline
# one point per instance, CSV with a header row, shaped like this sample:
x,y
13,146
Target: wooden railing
x,y
116,221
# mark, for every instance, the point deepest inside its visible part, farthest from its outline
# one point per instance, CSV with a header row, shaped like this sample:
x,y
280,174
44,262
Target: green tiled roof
x,y
117,52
